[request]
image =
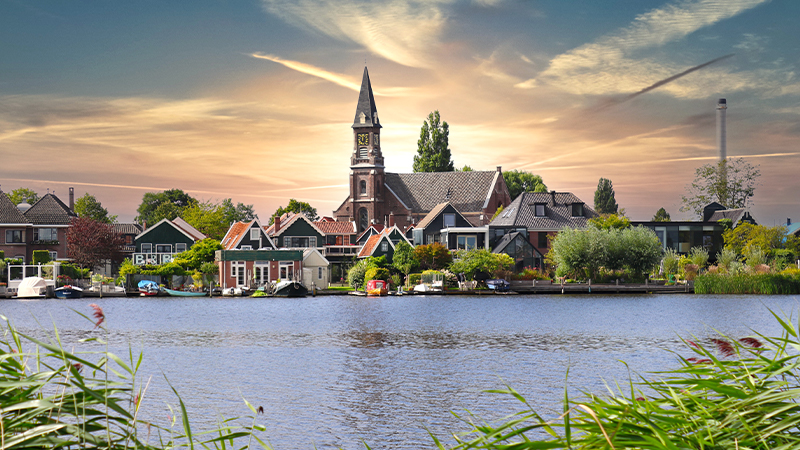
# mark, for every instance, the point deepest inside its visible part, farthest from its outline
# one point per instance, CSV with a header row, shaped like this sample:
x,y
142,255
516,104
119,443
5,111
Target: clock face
x,y
363,139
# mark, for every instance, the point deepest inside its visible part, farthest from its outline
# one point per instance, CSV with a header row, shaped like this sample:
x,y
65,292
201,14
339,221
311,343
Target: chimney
x,y
72,199
391,219
553,195
498,168
722,107
788,221
277,224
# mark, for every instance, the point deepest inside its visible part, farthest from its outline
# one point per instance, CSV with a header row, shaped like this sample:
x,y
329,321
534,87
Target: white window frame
x,y
246,247
147,248
178,247
384,246
255,233
162,246
445,218
466,239
52,232
286,268
53,255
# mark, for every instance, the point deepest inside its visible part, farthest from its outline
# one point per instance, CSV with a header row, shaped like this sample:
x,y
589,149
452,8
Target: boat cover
x,y
31,287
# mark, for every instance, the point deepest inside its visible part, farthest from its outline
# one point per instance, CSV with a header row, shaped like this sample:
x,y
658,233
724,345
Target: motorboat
x,y
175,293
32,287
148,288
498,285
377,288
69,291
233,292
289,288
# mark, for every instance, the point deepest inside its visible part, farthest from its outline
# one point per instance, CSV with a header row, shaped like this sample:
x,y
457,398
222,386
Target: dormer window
x,y
538,210
362,118
577,210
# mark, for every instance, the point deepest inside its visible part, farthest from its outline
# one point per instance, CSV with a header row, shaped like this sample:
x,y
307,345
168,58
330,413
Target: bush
x,y
530,273
726,259
414,279
699,257
376,273
41,257
2,255
355,276
670,262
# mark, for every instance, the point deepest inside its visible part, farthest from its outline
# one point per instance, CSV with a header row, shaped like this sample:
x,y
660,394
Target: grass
x,y
730,394
769,284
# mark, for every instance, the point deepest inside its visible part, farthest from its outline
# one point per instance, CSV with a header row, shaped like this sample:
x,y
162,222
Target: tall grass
x,y
730,394
57,399
769,284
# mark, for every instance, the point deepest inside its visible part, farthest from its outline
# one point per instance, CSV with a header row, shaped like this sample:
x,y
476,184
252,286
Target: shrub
x,y
726,259
414,279
355,276
530,273
41,257
376,273
2,255
670,262
699,257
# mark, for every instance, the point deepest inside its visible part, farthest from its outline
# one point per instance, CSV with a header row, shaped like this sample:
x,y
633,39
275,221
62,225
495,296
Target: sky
x,y
253,100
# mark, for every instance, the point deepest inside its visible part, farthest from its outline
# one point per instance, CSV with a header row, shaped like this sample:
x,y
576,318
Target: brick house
x,y
41,226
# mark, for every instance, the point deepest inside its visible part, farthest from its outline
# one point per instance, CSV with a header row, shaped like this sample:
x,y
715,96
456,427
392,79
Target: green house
x,y
159,243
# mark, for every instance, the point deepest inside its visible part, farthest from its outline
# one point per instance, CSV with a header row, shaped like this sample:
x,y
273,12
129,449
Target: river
x,y
332,372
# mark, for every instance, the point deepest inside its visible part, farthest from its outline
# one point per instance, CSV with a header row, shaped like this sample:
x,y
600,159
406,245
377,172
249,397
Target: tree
x,y
88,206
519,181
730,182
23,195
466,168
433,151
208,218
610,221
604,201
163,205
404,259
91,242
433,256
661,216
746,237
295,206
199,254
238,213
475,260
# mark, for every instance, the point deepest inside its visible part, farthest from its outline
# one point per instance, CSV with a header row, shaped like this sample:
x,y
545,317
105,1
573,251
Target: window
x,y
363,219
319,273
539,210
286,270
384,246
449,220
45,234
363,187
246,247
180,248
577,210
254,234
129,240
147,248
163,248
53,255
339,240
467,242
238,271
13,236
542,240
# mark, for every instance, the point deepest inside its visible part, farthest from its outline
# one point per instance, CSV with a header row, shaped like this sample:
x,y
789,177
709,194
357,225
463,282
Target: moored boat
x,y
377,288
175,293
498,285
69,291
148,288
32,287
290,289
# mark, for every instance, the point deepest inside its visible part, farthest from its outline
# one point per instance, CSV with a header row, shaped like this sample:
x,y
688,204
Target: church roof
x,y
366,105
423,191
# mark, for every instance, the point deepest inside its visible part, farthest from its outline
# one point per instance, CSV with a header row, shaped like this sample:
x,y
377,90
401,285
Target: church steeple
x,y
366,112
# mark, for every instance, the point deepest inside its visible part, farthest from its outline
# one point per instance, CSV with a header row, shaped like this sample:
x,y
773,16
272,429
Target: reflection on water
x,y
331,371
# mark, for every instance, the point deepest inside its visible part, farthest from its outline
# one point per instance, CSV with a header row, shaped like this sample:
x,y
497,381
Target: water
x,y
333,371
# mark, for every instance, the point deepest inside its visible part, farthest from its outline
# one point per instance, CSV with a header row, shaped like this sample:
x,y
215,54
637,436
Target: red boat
x,y
377,287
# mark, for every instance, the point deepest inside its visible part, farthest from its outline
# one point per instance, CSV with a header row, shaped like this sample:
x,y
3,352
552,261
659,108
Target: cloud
x,y
403,31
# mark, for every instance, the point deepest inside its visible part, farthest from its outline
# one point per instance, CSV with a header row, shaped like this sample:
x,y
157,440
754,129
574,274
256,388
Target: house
x,y
537,216
377,246
446,225
315,269
372,230
517,246
340,246
247,236
162,241
41,226
375,194
255,268
293,230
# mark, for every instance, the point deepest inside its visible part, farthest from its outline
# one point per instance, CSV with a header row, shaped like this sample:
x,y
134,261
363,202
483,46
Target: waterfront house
x,y
247,236
15,229
162,241
340,246
378,245
294,230
446,225
315,269
255,268
41,226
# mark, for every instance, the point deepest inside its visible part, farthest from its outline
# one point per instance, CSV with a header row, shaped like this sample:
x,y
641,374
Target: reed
x,y
730,394
747,283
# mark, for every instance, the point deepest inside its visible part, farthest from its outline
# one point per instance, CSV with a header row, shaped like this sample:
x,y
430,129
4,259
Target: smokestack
x,y
722,106
391,219
72,199
277,224
553,194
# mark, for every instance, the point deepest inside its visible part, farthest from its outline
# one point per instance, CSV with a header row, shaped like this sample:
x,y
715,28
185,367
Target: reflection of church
x,y
402,199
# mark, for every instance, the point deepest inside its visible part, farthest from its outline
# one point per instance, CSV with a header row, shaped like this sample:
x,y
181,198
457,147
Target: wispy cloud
x,y
403,31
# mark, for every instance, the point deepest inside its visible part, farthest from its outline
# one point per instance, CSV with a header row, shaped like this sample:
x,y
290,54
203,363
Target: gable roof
x,y
435,213
292,220
423,191
395,229
9,213
234,235
734,214
329,227
793,228
312,254
558,214
372,244
50,210
270,230
127,228
366,105
190,230
172,224
373,229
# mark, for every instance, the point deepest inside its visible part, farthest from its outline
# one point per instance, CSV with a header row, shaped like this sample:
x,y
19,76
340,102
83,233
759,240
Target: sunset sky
x,y
254,100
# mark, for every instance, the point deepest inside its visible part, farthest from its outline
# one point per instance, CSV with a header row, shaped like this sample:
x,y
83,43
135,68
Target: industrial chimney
x,y
722,106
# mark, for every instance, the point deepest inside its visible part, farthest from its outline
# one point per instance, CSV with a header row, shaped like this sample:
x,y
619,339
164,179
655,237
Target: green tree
x,y
163,205
238,213
519,181
604,201
208,218
295,206
661,216
88,206
730,182
610,221
23,195
404,260
197,255
746,236
479,259
466,168
433,151
433,256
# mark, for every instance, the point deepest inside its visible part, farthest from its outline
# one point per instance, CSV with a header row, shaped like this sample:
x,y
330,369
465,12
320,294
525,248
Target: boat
x,y
377,288
175,293
290,289
232,292
148,288
32,287
69,291
498,285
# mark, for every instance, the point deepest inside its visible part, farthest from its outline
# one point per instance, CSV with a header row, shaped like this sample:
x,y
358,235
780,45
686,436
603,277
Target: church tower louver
x,y
366,163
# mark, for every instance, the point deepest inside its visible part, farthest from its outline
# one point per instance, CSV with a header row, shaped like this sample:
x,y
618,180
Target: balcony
x,y
340,250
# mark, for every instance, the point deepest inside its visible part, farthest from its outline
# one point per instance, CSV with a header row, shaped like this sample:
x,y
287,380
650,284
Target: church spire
x,y
366,112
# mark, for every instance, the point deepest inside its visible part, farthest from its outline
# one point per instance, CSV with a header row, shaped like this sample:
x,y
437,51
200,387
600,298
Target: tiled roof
x,y
422,191
375,228
366,105
50,210
521,212
733,214
370,245
188,229
9,213
336,227
233,235
285,220
432,215
127,228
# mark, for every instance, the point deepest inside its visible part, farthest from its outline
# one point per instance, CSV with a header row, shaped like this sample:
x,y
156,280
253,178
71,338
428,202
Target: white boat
x,y
32,287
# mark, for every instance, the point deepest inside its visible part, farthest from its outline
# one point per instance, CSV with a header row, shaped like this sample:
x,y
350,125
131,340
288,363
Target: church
x,y
378,197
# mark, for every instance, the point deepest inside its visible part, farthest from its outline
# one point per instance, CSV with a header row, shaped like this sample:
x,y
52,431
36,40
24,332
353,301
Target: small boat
x,y
290,289
175,293
32,287
148,288
377,288
69,291
498,285
232,292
